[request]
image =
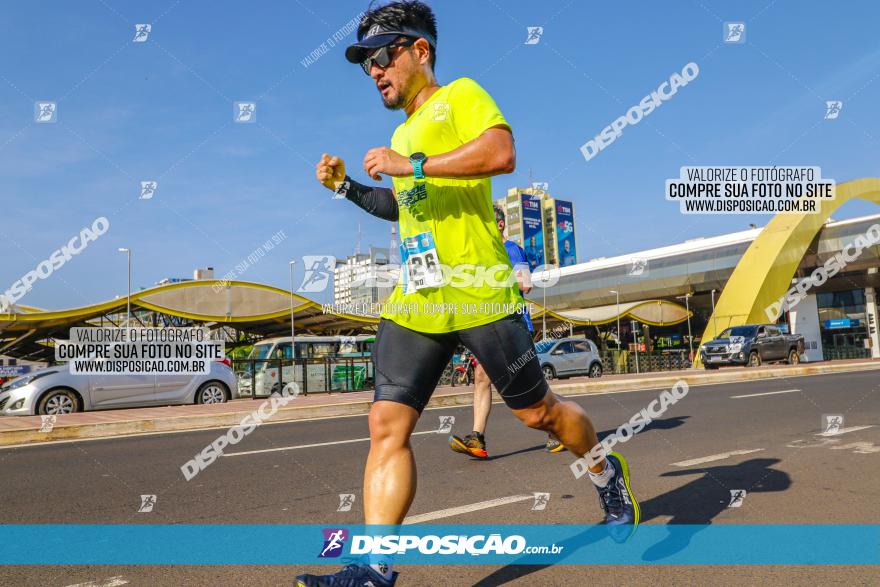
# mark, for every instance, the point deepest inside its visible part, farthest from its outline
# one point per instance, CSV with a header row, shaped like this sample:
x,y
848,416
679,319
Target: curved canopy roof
x,y
250,307
653,312
260,310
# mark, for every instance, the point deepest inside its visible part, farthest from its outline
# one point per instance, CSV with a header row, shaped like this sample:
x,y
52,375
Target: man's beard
x,y
395,101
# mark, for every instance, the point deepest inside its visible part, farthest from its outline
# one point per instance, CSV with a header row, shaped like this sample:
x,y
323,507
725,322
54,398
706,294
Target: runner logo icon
x,y
319,269
736,498
346,500
47,423
446,424
832,109
45,112
141,33
541,501
831,424
734,32
334,541
534,35
148,502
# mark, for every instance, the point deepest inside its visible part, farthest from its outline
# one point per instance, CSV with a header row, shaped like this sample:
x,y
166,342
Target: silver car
x,y
54,390
566,357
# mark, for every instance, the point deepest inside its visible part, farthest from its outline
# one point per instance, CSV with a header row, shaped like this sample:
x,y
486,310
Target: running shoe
x,y
349,576
554,445
474,444
622,512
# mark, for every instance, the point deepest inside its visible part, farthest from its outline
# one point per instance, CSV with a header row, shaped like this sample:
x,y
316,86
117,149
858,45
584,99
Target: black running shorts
x,y
409,364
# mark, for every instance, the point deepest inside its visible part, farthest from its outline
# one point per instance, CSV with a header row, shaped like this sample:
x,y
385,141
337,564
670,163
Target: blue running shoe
x,y
349,576
622,512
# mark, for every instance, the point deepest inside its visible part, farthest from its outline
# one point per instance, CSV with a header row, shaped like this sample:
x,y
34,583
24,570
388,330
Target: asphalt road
x,y
683,467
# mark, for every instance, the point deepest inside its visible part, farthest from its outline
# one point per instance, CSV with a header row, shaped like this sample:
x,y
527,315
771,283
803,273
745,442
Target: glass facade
x,y
843,324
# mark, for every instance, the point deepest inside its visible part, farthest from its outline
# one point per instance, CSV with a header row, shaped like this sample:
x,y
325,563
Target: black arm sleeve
x,y
377,201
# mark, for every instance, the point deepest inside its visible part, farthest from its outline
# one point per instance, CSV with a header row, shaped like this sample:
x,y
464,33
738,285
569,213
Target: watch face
x,y
418,156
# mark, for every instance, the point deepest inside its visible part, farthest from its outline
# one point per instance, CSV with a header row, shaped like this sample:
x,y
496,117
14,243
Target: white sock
x,y
383,567
601,479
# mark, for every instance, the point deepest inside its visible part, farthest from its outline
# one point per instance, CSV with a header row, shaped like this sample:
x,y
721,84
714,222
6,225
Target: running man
x,y
441,159
474,444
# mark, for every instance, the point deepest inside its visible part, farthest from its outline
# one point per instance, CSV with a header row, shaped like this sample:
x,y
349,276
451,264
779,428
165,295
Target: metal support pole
x,y
634,325
293,329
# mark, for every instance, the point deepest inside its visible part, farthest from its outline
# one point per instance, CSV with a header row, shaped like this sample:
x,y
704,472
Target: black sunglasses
x,y
382,56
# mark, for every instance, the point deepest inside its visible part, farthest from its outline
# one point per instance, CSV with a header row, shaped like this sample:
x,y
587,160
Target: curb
x,y
700,377
465,398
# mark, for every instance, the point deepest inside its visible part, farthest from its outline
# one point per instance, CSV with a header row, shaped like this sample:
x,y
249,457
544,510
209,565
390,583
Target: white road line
x,y
765,393
452,407
862,448
718,457
464,509
317,444
111,582
845,430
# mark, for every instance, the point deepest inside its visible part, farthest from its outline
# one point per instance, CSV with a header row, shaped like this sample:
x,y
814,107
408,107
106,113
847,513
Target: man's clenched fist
x,y
387,161
330,171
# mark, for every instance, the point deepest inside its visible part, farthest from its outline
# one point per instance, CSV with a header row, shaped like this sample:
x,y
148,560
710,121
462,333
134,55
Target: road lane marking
x,y
464,509
317,444
586,394
718,457
862,448
116,581
765,393
846,430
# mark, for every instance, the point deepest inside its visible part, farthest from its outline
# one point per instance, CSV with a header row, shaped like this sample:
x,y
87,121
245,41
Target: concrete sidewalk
x,y
111,423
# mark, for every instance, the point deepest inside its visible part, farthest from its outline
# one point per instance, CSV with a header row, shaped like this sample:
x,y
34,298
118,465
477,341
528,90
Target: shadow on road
x,y
696,503
664,424
515,452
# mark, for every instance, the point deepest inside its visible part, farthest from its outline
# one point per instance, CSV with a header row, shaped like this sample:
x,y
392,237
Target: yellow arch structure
x,y
766,269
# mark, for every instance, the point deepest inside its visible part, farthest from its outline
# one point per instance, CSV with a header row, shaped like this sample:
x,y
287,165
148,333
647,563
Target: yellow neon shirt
x,y
458,213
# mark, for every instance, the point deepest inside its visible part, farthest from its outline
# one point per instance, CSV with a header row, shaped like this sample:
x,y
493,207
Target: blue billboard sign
x,y
841,323
533,230
565,243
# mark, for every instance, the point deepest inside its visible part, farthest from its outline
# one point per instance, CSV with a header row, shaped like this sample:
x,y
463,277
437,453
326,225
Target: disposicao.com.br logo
x,y
450,544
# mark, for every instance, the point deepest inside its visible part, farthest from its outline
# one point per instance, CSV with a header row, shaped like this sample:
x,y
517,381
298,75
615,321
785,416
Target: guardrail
x,y
259,378
845,352
622,362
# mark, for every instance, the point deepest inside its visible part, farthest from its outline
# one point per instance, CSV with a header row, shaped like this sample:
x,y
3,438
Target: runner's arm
x,y
379,202
492,153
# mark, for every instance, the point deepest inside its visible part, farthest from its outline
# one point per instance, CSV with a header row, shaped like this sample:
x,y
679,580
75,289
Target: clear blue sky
x,y
163,110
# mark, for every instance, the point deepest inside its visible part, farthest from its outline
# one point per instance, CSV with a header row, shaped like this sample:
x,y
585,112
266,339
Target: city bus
x,y
332,363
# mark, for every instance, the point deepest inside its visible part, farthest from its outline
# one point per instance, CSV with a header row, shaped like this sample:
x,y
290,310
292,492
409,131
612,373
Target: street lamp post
x,y
292,328
128,300
634,325
544,279
617,293
714,317
687,298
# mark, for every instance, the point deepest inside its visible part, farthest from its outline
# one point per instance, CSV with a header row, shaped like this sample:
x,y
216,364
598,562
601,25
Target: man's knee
x,y
481,377
391,423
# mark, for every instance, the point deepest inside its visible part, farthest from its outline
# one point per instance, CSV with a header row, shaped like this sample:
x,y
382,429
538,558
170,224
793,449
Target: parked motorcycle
x,y
464,371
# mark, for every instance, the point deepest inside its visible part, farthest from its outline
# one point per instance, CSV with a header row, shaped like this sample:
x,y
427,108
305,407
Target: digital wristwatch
x,y
417,160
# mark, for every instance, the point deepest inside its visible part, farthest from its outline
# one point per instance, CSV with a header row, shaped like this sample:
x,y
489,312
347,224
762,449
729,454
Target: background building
x,y
540,224
361,278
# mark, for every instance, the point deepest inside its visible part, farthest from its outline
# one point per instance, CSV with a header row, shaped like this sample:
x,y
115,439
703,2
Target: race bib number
x,y
421,266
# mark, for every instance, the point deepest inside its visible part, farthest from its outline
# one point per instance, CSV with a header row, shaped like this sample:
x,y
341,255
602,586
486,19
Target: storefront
x,y
843,324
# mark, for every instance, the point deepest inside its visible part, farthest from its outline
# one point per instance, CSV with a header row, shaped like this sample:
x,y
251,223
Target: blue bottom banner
x,y
280,544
